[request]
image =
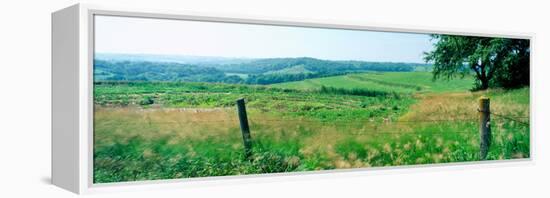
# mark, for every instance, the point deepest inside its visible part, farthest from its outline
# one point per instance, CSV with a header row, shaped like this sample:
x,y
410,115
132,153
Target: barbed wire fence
x,y
485,115
484,120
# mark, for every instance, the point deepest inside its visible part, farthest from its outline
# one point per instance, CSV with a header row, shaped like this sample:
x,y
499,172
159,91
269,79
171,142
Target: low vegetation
x,y
168,130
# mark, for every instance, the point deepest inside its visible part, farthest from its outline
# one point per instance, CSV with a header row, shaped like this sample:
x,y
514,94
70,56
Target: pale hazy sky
x,y
178,37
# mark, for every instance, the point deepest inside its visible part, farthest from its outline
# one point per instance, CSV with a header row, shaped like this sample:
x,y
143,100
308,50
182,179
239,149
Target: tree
x,y
514,70
494,61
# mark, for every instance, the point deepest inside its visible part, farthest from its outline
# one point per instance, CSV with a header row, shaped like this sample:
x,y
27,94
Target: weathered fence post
x,y
241,108
484,126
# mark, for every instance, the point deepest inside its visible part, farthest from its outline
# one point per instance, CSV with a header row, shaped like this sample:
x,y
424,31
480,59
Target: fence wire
x,y
378,127
512,118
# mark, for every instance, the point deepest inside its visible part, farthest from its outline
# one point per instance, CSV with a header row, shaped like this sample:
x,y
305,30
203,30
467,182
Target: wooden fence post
x,y
484,126
247,139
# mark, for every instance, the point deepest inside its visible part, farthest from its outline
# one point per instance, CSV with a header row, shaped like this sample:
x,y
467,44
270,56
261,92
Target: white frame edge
x,y
72,140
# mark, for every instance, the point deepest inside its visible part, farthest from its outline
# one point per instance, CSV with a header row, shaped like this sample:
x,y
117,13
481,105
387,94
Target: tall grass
x,y
167,131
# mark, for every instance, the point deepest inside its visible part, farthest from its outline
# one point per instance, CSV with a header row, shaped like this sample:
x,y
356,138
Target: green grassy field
x,y
145,131
405,82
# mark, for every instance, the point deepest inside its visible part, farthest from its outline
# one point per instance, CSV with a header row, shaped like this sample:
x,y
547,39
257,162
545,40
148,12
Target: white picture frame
x,y
72,99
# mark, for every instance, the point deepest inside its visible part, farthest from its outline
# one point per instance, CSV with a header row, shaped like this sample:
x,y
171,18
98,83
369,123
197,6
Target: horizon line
x,y
257,58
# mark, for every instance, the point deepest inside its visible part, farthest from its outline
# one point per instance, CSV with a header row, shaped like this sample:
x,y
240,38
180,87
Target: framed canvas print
x,y
157,98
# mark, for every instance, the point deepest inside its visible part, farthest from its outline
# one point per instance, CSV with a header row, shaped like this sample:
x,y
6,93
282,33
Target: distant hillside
x,y
400,82
297,69
260,66
132,67
158,71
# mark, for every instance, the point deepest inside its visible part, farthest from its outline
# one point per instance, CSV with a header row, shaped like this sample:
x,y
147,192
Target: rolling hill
x,y
403,82
138,67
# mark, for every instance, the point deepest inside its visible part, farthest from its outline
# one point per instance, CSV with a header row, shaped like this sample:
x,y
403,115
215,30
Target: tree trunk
x,y
483,77
484,83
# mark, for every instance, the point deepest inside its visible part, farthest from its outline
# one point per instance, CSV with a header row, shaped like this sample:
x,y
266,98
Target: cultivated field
x,y
147,130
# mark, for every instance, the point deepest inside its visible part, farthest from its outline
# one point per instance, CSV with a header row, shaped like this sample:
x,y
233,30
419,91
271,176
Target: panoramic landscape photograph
x,y
178,99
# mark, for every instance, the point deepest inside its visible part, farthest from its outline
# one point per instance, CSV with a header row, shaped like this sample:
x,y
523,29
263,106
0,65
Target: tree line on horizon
x,y
262,71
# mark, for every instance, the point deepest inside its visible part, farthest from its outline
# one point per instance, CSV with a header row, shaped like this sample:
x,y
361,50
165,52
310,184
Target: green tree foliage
x,y
261,66
497,62
259,71
156,71
265,79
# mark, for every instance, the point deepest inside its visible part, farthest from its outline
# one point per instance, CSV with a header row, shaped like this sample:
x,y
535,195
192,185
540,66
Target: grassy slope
x,y
134,143
405,82
275,102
